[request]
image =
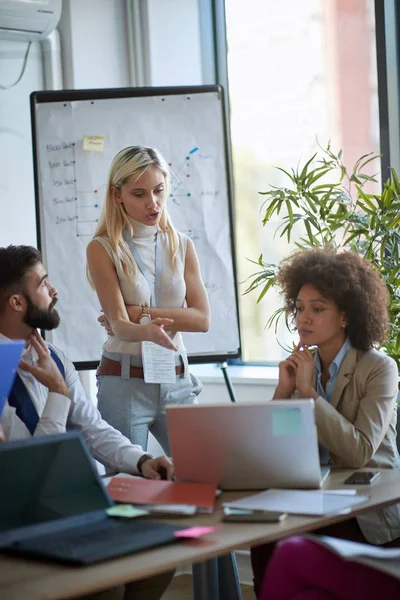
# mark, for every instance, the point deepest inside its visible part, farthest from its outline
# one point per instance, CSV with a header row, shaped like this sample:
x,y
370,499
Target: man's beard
x,y
37,318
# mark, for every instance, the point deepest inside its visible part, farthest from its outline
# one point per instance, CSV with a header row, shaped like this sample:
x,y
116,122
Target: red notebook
x,y
136,490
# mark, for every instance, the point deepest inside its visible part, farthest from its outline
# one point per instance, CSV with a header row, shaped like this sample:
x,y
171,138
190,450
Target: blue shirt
x,y
327,393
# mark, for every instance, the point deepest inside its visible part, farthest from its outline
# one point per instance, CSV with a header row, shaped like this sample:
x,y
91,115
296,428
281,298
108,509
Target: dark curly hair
x,y
350,281
15,262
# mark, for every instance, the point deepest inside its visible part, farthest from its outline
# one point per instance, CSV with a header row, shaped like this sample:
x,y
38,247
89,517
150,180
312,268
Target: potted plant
x,y
329,205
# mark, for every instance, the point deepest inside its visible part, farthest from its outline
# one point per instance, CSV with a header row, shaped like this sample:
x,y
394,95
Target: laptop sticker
x,y
286,421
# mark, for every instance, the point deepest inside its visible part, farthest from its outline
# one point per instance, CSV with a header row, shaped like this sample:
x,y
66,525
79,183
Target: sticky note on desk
x,y
93,143
126,510
195,532
286,421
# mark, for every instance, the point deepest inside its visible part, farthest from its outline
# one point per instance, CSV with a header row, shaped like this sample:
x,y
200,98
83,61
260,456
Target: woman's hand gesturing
x,y
154,332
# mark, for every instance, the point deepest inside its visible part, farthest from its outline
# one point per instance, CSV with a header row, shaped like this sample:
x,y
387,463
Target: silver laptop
x,y
246,446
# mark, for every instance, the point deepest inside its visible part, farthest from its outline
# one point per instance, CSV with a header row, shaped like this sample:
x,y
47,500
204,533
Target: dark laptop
x,y
53,505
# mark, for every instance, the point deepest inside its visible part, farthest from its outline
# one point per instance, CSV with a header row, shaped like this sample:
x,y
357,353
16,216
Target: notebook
x,y
246,446
53,505
382,559
148,492
10,355
299,502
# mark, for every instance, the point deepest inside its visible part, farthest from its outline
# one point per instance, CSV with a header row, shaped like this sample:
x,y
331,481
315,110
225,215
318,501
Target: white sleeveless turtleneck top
x,y
136,291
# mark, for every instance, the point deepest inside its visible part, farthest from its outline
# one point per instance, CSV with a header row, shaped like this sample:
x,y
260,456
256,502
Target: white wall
x,y
17,200
94,55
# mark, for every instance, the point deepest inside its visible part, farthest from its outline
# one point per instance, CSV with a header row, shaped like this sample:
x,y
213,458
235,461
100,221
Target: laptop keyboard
x,y
98,541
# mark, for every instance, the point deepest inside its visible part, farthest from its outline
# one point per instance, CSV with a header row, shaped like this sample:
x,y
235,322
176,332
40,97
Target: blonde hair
x,y
133,160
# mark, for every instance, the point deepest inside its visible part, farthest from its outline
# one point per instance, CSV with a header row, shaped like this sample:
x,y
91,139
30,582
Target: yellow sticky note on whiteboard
x,y
93,143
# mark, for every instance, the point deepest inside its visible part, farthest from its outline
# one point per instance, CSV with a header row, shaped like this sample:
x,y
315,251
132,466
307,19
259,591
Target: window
x,y
298,72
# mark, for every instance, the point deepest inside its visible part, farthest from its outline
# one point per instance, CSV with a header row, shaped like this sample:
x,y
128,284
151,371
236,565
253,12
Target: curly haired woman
x,y
339,305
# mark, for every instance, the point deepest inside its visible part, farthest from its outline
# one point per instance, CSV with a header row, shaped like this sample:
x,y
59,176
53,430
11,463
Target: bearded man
x,y
49,397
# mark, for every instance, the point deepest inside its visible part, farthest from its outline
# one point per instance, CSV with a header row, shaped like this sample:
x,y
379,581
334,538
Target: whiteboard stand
x,y
189,126
224,369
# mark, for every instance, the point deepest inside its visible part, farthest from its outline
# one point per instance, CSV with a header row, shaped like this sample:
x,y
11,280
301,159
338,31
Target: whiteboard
x,y
188,126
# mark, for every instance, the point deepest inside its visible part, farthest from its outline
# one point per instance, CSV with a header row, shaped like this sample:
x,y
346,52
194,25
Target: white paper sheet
x,y
348,549
386,560
300,502
158,364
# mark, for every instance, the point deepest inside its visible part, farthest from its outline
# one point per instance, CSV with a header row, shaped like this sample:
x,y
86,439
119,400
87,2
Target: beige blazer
x,y
358,427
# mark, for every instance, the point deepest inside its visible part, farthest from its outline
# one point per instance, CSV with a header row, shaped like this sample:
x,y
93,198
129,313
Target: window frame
x,y
214,51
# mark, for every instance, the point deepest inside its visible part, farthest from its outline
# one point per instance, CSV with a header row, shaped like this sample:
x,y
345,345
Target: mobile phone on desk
x,y
362,477
242,515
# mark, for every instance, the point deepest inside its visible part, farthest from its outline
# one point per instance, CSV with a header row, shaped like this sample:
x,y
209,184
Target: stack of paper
x,y
172,496
300,502
382,559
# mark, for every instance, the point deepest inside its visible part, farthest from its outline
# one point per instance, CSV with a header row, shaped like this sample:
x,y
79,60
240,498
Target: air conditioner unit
x,y
28,20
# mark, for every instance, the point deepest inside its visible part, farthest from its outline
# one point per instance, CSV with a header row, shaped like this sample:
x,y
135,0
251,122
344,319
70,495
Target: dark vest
x,y
22,402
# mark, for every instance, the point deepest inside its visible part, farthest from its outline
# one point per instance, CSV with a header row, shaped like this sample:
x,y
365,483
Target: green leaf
x,y
286,173
270,210
267,286
290,212
309,231
287,230
366,178
354,178
395,179
275,318
304,171
359,161
393,224
312,178
354,235
365,208
310,203
366,198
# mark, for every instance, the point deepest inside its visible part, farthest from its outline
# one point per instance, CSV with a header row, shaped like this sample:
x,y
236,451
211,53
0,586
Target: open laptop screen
x,y
47,478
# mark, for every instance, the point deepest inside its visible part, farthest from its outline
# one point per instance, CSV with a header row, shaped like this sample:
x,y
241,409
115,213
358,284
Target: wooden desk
x,y
33,580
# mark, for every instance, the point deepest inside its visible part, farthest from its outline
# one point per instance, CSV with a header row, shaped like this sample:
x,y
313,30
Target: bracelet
x,y
141,461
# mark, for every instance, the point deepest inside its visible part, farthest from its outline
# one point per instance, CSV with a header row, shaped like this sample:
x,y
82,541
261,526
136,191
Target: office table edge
x,y
77,581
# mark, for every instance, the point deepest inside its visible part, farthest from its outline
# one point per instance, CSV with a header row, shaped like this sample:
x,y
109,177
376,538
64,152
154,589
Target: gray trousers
x,y
135,407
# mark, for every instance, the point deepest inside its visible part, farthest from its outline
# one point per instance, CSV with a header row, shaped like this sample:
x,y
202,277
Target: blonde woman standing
x,y
148,282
